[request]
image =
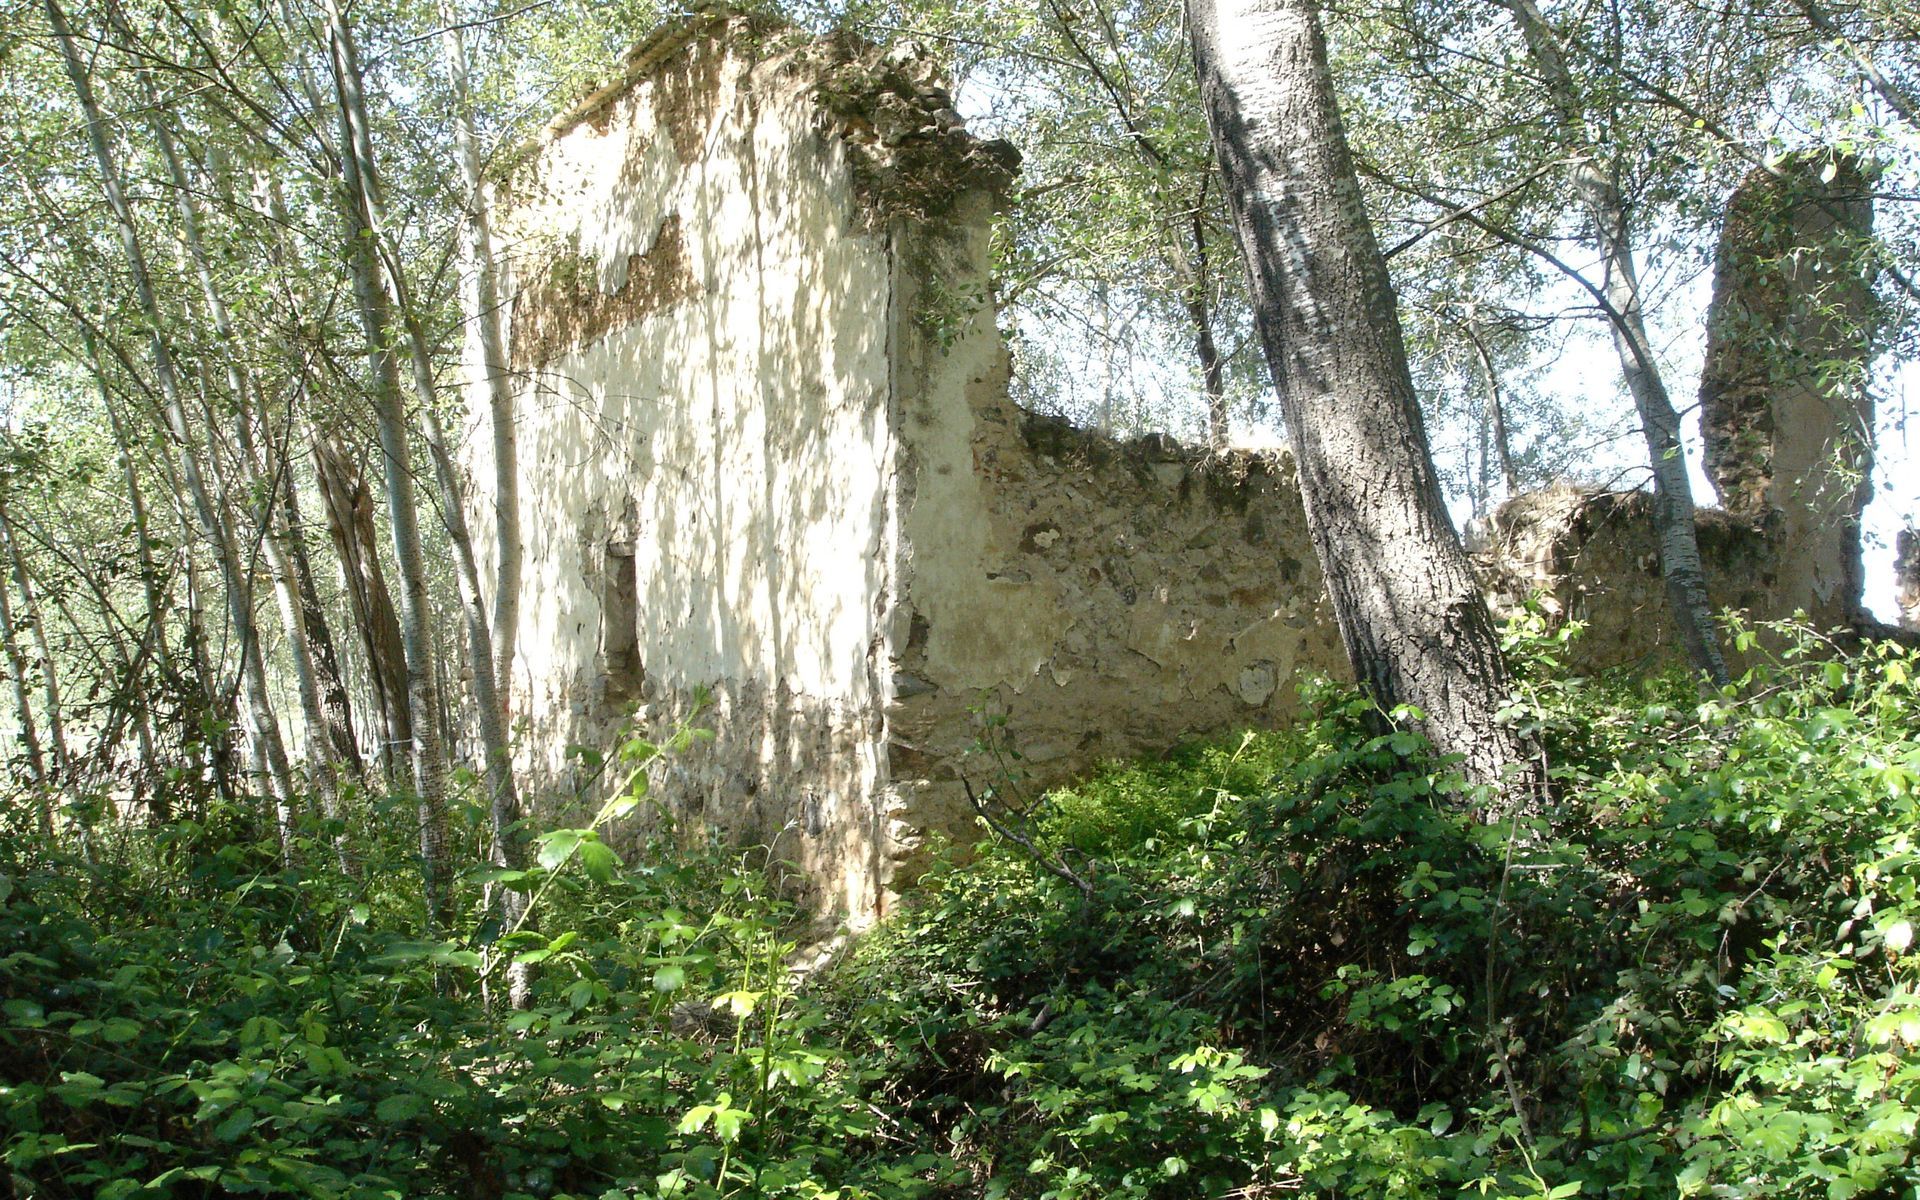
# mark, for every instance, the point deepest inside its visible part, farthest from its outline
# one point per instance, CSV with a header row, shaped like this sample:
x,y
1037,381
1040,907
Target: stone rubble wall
x,y
1103,598
1594,557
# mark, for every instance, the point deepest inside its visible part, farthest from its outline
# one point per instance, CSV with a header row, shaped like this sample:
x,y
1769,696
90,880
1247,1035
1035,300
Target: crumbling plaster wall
x,y
768,454
1786,414
705,450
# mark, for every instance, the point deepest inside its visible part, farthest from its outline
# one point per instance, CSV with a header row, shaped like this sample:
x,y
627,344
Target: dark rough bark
x,y
349,504
1410,611
335,701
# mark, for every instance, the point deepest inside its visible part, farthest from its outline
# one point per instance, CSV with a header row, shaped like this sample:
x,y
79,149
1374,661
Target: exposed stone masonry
x,y
771,473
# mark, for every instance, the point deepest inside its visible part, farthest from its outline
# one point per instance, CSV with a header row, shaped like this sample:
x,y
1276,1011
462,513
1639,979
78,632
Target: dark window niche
x,y
620,627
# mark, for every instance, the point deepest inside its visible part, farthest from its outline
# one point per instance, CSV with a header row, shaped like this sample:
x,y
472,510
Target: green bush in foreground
x,y
1307,962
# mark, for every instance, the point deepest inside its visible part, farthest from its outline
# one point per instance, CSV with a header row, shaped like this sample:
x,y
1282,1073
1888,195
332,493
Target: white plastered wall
x,y
735,435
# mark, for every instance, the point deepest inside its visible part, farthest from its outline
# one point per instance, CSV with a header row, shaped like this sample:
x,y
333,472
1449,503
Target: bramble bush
x,y
1308,961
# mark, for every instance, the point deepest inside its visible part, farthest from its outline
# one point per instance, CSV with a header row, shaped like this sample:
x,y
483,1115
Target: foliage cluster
x,y
1308,961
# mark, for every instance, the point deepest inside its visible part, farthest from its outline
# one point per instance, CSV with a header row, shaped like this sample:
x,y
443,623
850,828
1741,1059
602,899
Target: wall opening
x,y
620,626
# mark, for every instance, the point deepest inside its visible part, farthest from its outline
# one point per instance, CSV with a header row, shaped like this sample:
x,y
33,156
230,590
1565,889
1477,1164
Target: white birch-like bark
x,y
263,724
1673,506
375,300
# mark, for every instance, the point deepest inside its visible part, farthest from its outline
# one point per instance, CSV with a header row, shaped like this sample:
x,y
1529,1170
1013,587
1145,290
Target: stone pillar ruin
x,y
1787,418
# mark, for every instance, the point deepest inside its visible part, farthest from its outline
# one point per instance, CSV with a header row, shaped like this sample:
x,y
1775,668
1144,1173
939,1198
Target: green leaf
x,y
505,876
670,978
598,860
78,1087
558,846
401,1106
119,1029
237,1123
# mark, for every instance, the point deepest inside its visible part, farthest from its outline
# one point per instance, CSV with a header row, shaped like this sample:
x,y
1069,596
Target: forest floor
x,y
1305,962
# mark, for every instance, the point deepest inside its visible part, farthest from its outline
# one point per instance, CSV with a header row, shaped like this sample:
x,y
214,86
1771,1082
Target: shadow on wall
x,y
706,455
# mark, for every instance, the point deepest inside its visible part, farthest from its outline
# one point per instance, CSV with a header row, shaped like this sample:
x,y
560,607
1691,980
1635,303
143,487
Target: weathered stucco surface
x,y
769,459
1787,416
706,449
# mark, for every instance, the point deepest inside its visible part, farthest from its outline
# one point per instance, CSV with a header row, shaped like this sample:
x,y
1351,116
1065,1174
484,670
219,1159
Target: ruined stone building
x,y
768,456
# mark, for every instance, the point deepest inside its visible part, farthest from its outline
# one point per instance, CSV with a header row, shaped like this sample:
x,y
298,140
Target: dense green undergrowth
x,y
1293,963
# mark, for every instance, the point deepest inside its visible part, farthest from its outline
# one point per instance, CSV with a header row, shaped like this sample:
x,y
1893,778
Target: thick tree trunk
x,y
375,302
1673,508
1410,611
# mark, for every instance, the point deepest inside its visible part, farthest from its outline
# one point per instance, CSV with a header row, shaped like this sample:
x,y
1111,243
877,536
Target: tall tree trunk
x,y
150,578
37,627
264,480
483,313
264,725
490,650
375,302
349,506
1411,615
23,710
1196,287
1496,414
214,726
335,703
1673,507
335,700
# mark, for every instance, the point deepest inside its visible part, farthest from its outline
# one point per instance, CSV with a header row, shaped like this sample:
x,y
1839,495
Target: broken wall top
x,y
891,106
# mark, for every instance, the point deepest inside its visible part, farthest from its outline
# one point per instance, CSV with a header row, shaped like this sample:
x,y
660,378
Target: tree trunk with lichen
x,y
1411,615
